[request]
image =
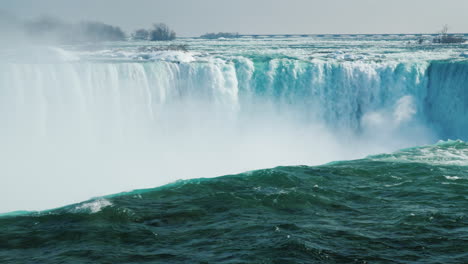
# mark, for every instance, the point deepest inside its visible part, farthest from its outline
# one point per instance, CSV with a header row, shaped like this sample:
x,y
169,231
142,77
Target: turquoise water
x,y
407,207
95,120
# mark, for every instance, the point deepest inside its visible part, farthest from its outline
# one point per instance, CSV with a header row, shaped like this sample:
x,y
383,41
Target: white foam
x,y
443,153
173,56
453,178
92,206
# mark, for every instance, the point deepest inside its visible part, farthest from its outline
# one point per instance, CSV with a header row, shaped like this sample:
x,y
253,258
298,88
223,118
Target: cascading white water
x,y
446,103
72,130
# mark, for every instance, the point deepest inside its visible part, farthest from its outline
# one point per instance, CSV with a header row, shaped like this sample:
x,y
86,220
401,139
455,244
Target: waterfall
x,y
104,127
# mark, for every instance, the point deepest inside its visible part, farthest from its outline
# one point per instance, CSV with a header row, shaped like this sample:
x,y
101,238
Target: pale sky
x,y
195,17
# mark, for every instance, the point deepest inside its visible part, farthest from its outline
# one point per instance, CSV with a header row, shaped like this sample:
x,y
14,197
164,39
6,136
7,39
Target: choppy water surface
x,y
399,208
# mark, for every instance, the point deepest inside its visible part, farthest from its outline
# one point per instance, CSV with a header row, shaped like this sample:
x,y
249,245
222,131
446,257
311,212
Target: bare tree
x,y
445,38
444,30
97,31
161,32
141,34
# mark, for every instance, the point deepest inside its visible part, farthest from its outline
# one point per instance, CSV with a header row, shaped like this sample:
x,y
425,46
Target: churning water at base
x,y
87,121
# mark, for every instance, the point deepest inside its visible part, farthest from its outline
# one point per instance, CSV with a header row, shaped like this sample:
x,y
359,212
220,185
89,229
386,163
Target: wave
x,y
452,152
381,208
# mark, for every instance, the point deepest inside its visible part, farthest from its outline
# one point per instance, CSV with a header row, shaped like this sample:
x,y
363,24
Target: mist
x,y
74,130
50,30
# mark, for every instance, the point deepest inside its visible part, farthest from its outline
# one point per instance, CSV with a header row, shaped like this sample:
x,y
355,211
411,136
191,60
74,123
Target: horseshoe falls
x,y
159,126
